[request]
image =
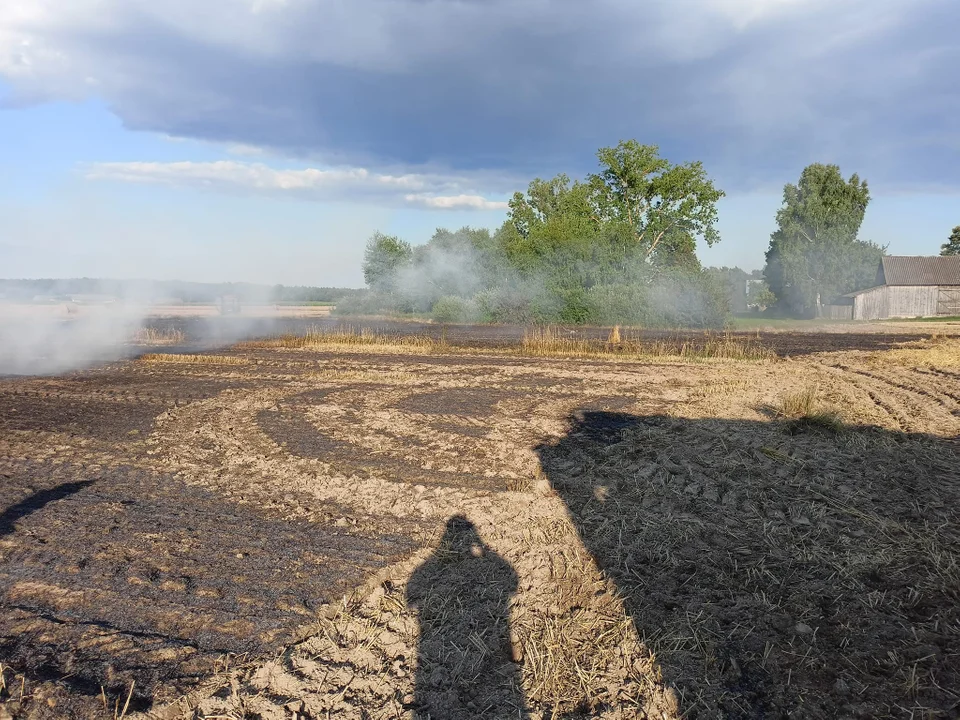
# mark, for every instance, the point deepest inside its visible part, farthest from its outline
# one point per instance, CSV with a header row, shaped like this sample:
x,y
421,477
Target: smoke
x,y
40,340
467,276
59,331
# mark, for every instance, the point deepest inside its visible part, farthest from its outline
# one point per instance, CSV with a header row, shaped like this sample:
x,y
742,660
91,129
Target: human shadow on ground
x,y
37,501
465,661
776,570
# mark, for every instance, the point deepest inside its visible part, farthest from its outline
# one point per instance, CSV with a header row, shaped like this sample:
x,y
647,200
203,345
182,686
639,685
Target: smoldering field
x,y
44,339
275,529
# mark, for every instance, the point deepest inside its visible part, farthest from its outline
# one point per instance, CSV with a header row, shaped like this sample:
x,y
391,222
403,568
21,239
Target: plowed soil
x,y
384,533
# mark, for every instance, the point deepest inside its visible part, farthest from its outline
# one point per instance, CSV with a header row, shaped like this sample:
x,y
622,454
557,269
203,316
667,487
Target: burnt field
x,y
208,333
387,529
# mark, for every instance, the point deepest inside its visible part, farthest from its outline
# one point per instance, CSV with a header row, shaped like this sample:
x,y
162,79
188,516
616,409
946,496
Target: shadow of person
x,y
466,664
37,501
775,569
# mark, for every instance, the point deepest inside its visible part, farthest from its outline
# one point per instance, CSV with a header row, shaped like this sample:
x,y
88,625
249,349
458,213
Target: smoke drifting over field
x,y
469,276
69,331
55,342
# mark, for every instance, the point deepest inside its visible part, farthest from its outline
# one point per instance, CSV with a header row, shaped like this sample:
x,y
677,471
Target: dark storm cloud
x,y
755,88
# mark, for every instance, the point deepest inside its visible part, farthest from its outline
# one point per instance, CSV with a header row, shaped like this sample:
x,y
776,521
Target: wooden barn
x,y
906,287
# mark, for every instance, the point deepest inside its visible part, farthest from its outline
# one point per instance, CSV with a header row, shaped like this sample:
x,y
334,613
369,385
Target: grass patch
x,y
192,359
343,336
549,342
157,336
940,351
761,322
935,319
545,341
805,410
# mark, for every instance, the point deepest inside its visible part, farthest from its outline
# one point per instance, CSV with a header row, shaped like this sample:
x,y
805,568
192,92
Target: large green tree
x,y
952,245
815,253
638,207
661,203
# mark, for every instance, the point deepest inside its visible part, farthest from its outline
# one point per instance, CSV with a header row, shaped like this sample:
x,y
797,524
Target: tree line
x,y
619,246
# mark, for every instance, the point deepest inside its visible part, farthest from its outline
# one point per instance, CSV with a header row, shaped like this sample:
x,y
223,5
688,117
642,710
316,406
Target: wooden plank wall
x,y
892,301
836,312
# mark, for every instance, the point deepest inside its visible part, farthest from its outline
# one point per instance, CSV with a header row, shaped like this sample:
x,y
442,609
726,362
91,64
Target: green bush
x,y
684,299
453,309
367,303
373,303
503,305
617,304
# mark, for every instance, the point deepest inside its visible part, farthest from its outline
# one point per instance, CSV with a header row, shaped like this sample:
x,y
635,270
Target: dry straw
x,y
188,359
348,336
805,408
548,341
156,336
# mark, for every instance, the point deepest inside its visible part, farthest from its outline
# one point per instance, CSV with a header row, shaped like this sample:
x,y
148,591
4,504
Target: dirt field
x,y
391,531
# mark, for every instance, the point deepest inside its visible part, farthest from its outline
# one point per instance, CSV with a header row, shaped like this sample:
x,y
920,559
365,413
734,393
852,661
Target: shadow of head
x,y
460,537
37,501
766,567
466,663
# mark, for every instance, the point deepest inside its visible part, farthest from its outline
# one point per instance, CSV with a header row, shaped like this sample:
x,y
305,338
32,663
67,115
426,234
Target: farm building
x,y
906,287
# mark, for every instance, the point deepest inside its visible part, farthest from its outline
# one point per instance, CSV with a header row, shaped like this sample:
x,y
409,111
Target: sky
x,y
266,140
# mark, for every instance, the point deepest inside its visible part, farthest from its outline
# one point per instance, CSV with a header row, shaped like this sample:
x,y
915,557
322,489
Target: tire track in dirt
x,y
912,406
939,375
888,411
157,579
935,395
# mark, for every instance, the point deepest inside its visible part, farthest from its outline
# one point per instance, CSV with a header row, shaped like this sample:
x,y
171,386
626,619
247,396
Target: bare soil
x,y
388,533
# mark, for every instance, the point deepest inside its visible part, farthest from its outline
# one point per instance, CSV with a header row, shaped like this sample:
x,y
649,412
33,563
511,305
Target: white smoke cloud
x,y
45,339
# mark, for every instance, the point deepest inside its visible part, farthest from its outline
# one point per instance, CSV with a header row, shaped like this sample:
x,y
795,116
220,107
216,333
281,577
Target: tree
x,y
618,246
383,259
638,207
451,264
815,253
658,201
952,245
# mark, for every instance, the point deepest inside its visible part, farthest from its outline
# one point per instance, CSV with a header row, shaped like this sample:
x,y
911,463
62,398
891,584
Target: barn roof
x,y
917,270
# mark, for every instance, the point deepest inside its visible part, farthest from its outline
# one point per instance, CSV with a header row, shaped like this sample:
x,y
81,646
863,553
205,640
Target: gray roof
x,y
917,270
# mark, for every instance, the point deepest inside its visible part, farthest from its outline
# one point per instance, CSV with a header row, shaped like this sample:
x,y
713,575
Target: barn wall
x,y
912,301
836,312
949,302
892,301
871,304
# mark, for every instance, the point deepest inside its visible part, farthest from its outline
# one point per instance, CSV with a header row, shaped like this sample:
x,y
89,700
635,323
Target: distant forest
x,y
166,291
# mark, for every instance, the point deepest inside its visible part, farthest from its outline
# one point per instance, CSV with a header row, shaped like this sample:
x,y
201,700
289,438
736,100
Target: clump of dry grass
x,y
317,337
938,351
805,408
192,359
548,341
158,336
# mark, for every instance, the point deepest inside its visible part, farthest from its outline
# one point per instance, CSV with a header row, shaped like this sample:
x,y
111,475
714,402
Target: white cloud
x,y
456,202
421,189
245,150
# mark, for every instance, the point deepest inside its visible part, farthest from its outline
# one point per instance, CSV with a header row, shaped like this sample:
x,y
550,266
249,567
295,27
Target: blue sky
x,y
265,140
